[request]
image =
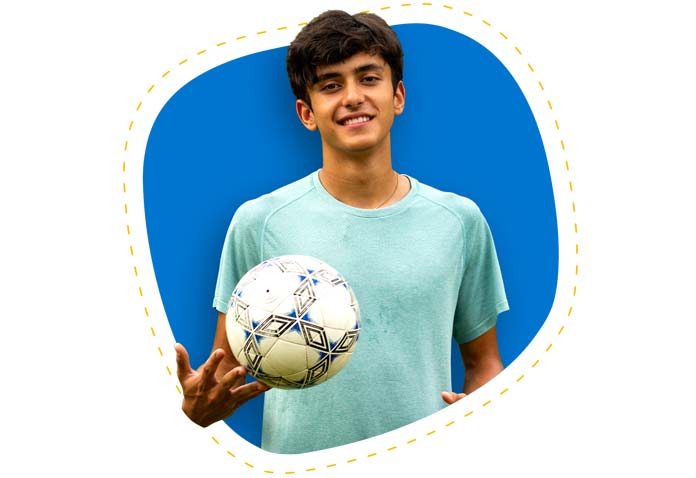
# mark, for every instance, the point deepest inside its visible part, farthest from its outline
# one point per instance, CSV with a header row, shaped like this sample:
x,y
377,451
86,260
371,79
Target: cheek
x,y
323,118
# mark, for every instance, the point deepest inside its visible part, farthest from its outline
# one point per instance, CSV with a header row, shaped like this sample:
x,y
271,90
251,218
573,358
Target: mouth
x,y
355,120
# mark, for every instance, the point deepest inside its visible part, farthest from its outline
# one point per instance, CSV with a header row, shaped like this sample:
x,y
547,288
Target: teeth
x,y
360,119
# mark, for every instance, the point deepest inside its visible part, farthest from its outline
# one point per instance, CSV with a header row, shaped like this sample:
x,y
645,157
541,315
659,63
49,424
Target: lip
x,y
355,120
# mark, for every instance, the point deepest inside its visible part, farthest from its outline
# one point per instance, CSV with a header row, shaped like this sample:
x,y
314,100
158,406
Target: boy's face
x,y
353,105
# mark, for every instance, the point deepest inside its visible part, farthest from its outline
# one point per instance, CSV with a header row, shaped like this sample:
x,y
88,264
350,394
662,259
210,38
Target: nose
x,y
352,94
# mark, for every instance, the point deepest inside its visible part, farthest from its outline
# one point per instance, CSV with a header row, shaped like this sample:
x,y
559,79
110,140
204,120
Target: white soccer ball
x,y
293,321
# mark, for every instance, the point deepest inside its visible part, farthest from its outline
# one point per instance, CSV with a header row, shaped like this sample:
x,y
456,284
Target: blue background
x,y
232,134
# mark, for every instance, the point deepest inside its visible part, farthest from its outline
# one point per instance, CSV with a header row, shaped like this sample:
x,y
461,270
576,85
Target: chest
x,y
397,257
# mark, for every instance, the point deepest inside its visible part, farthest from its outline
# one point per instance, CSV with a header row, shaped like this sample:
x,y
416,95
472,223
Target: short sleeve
x,y
240,252
482,293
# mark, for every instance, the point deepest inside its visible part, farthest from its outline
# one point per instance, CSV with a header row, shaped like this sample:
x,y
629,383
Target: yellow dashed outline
x,y
132,253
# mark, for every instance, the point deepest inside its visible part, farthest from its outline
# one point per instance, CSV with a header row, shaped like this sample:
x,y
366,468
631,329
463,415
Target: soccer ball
x,y
293,322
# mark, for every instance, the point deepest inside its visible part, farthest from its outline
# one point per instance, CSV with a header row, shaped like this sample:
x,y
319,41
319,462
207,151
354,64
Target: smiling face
x,y
353,104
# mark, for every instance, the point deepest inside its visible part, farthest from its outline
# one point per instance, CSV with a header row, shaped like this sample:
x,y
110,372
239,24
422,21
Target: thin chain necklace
x,y
396,186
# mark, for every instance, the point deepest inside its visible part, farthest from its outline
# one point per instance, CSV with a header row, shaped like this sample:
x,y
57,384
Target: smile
x,y
355,120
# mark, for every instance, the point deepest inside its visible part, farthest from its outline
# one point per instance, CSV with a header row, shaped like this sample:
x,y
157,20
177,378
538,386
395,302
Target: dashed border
x,y
469,16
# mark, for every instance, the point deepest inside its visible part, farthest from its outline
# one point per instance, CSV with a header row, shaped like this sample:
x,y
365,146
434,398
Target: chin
x,y
362,147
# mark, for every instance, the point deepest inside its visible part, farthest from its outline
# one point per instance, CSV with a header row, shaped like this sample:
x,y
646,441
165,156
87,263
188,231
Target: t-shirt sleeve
x,y
240,252
482,293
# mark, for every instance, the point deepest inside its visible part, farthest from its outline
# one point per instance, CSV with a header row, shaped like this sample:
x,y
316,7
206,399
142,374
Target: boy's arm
x,y
217,388
481,363
229,361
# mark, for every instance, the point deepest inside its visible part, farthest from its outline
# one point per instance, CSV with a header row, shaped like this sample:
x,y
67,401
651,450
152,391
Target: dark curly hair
x,y
335,36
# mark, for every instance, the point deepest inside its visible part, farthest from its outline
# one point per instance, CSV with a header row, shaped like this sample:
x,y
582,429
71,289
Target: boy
x,y
421,262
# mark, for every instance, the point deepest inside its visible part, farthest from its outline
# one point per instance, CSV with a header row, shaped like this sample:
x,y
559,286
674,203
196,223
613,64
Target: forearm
x,y
220,341
480,373
481,360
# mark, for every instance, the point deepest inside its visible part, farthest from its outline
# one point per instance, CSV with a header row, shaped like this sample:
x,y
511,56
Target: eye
x,y
330,87
371,79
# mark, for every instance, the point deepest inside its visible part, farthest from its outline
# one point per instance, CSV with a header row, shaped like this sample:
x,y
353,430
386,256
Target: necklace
x,y
396,186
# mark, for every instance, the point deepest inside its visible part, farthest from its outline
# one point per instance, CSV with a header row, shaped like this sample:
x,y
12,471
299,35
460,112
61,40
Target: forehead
x,y
358,62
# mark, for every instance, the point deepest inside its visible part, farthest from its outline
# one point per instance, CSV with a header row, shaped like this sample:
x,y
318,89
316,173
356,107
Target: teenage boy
x,y
421,262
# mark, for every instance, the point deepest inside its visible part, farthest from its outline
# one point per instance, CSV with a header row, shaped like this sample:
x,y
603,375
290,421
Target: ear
x,y
304,112
399,98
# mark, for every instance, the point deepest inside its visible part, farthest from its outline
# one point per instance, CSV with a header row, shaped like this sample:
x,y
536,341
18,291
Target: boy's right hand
x,y
208,399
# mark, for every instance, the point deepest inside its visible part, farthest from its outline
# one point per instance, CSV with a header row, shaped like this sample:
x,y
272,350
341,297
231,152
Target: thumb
x,y
451,397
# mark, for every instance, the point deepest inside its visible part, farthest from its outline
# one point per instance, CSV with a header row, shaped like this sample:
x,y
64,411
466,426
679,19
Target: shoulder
x,y
460,207
256,211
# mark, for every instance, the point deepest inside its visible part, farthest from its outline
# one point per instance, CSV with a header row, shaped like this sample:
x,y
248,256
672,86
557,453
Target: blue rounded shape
x,y
232,134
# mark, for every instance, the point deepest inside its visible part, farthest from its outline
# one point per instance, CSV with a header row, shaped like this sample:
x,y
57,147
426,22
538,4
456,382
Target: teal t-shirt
x,y
424,270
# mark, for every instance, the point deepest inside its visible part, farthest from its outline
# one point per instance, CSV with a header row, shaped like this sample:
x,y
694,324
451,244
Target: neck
x,y
366,161
366,182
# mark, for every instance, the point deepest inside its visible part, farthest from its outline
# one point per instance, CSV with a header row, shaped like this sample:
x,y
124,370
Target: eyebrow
x,y
360,69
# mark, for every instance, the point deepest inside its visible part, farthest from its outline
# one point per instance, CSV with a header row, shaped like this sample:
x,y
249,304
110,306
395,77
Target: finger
x,y
248,391
183,366
451,397
210,367
232,378
233,381
263,387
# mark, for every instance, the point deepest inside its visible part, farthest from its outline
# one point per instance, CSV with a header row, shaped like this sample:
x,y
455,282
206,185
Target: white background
x,y
84,391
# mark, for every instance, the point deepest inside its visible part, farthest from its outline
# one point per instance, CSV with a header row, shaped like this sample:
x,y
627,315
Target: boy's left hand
x,y
451,397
